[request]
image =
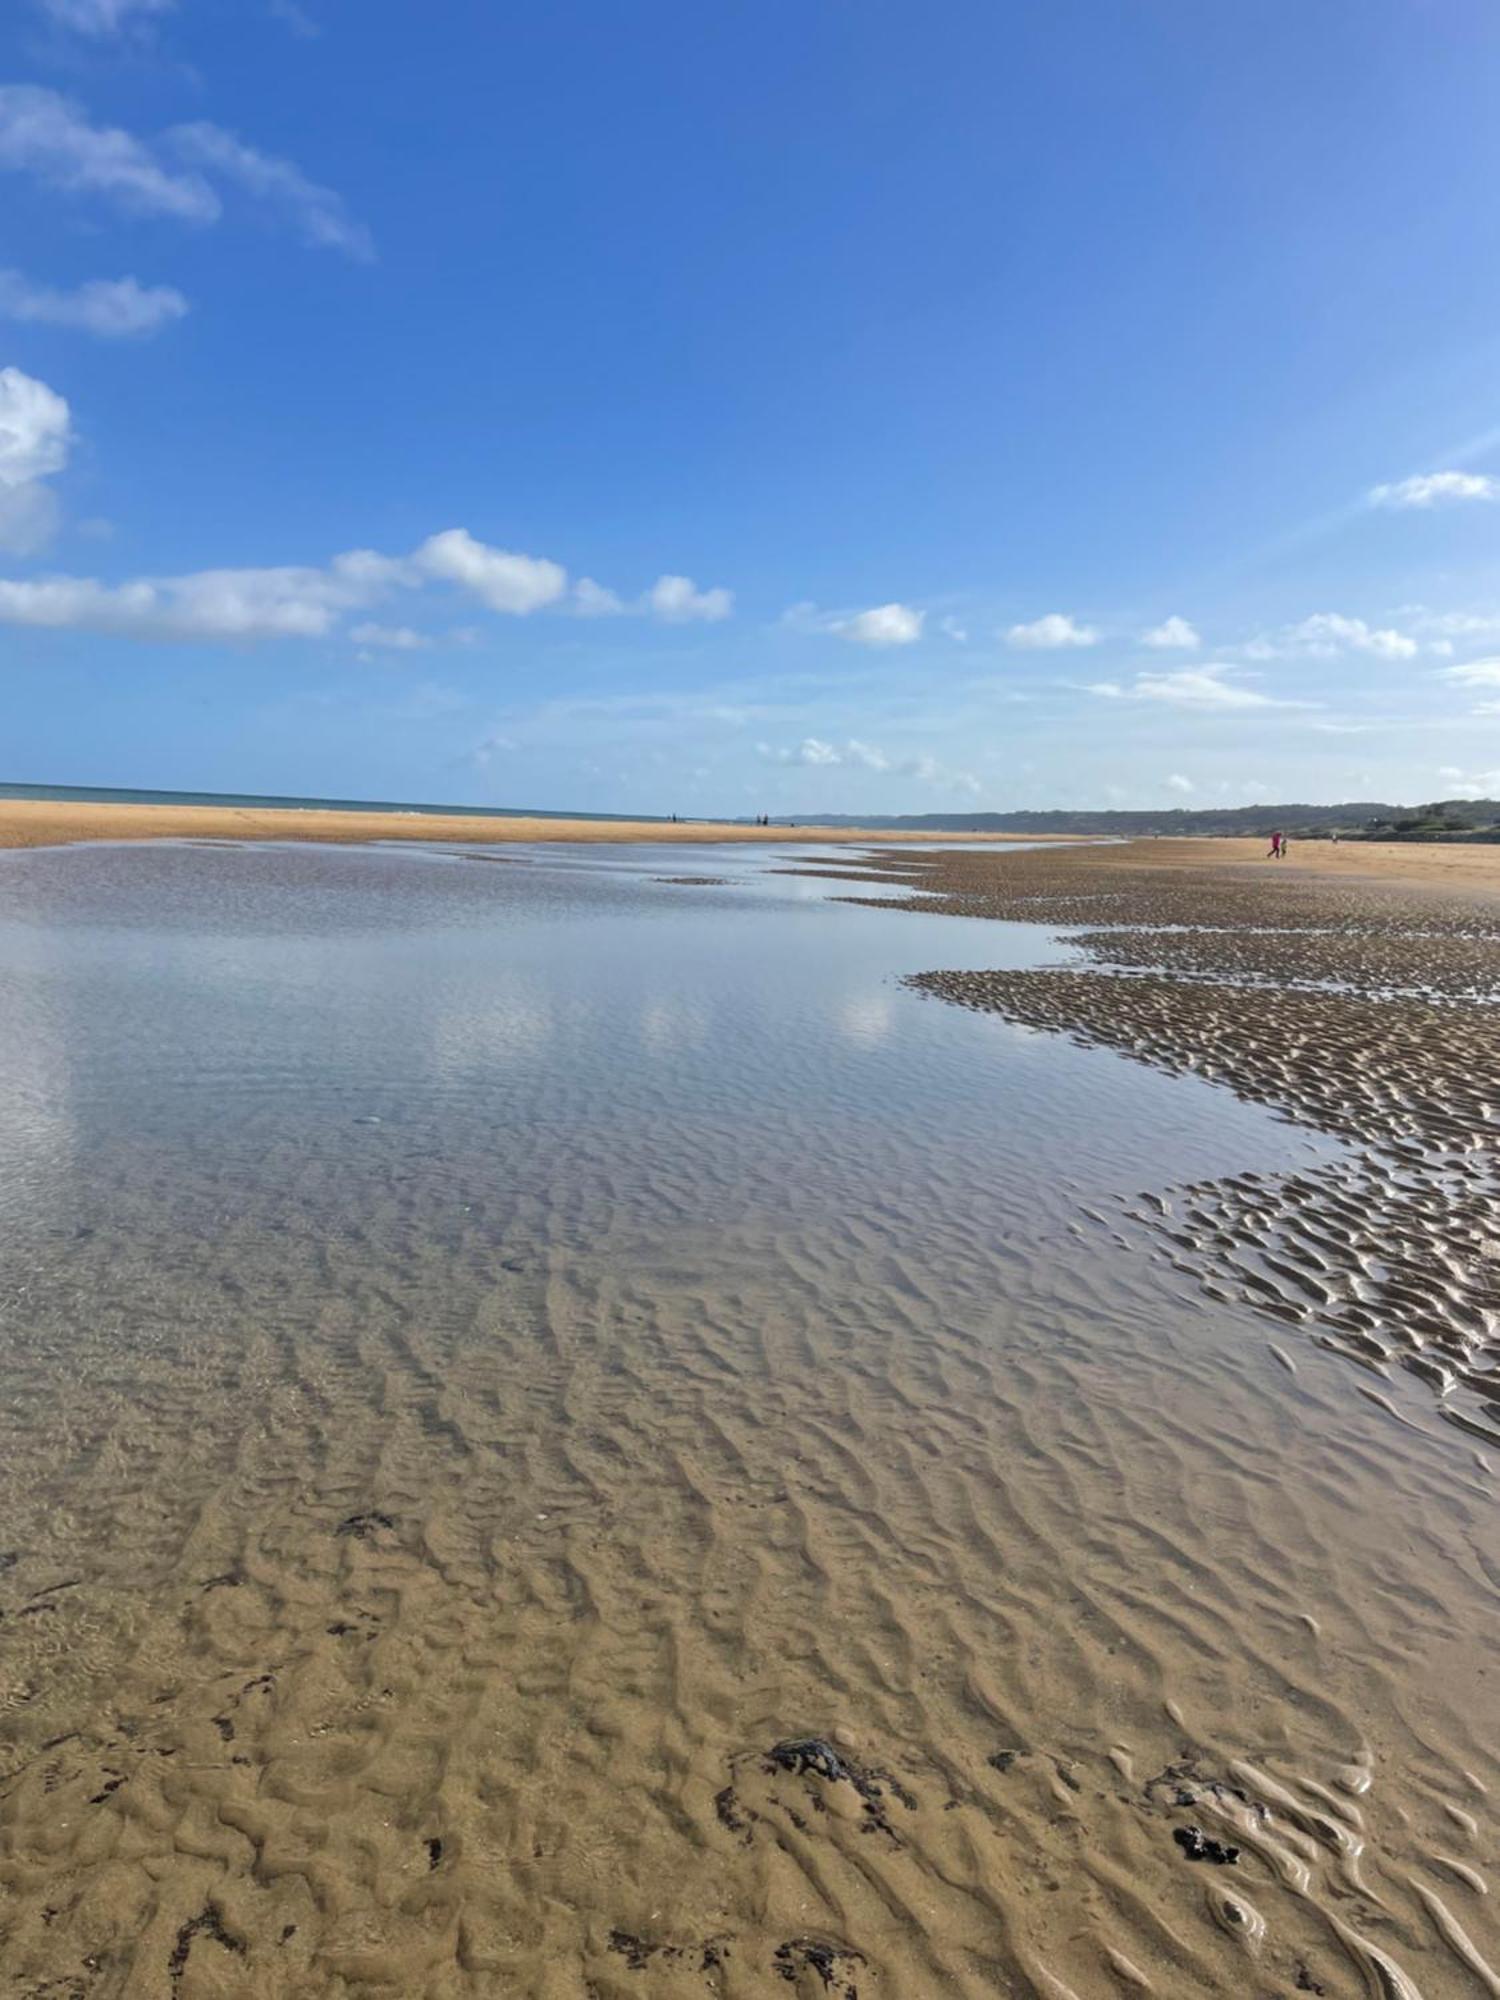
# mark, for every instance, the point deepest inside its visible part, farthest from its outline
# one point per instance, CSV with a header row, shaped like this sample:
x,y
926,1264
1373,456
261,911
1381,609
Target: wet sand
x,y
50,823
512,1520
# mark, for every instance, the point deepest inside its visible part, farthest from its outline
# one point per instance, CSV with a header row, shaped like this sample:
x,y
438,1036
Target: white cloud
x,y
677,600
1433,489
814,753
317,213
505,582
1172,633
592,600
225,604
1048,634
100,17
672,600
952,629
1327,634
393,638
48,136
36,433
1178,783
881,625
1190,687
1474,673
45,134
290,602
1457,624
113,308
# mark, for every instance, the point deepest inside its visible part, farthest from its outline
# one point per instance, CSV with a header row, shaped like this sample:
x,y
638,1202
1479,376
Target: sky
x,y
753,407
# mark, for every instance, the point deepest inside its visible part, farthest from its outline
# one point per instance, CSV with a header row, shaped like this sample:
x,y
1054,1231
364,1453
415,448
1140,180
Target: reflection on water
x,y
493,1341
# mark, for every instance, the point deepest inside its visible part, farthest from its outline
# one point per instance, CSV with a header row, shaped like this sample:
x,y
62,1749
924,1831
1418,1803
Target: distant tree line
x,y
1364,819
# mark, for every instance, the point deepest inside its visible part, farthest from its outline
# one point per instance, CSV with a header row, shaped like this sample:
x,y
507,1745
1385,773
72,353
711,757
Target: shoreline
x,y
64,822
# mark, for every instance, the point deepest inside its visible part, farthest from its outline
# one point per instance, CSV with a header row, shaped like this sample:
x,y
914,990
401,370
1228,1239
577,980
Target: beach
x,y
673,1419
54,822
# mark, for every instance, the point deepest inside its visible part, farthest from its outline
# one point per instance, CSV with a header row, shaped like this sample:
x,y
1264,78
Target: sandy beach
x,y
51,823
581,1433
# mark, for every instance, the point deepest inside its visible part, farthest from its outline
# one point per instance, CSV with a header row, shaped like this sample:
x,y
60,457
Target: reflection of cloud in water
x,y
671,1024
516,1027
37,1112
868,1019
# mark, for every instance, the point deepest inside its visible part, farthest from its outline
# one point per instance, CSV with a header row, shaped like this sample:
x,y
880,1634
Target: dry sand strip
x,y
59,822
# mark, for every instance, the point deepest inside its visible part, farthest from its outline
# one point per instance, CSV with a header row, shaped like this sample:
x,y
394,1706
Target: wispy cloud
x,y
1176,782
316,213
112,308
101,17
814,753
46,135
180,175
1052,632
391,638
1474,673
1326,634
1435,489
1192,687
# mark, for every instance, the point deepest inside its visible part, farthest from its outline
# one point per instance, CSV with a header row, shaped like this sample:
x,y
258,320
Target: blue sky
x,y
773,406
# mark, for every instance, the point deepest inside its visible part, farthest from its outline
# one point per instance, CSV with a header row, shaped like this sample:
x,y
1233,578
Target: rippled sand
x,y
435,1486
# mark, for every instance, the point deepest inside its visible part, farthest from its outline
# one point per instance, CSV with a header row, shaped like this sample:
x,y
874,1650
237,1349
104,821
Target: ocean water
x,y
495,1341
128,796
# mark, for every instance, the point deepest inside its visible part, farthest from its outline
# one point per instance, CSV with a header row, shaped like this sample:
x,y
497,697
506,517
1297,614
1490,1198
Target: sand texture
x,y
641,1546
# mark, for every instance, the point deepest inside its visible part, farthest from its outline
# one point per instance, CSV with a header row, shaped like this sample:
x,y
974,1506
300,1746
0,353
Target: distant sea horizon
x,y
119,795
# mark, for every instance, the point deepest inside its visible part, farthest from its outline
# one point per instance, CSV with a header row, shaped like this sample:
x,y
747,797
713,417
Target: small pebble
x,y
845,1737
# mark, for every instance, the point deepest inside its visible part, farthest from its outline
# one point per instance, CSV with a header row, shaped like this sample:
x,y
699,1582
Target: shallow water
x,y
494,1341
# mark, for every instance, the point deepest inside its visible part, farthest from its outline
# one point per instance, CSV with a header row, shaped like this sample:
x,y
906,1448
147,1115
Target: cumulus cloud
x,y
677,600
1191,687
51,138
1052,632
671,600
1173,633
1177,783
1435,489
227,604
291,602
1327,634
499,579
881,625
112,308
36,432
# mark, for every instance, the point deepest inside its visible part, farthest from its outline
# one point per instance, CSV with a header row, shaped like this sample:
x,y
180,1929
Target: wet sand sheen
x,y
425,1528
